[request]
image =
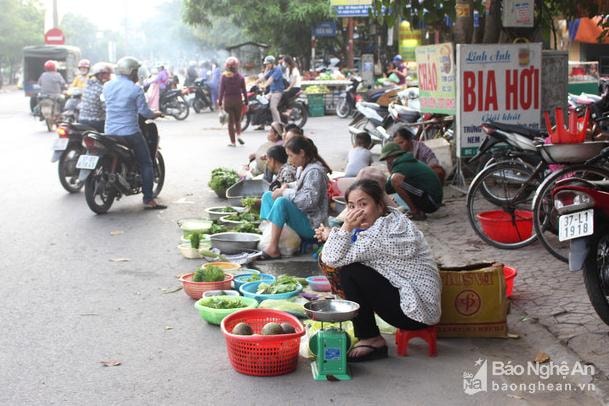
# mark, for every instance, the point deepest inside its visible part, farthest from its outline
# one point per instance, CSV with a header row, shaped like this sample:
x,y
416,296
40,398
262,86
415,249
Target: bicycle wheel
x,y
545,217
499,204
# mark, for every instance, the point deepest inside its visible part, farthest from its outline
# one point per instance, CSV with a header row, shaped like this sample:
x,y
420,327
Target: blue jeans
x,y
283,211
144,162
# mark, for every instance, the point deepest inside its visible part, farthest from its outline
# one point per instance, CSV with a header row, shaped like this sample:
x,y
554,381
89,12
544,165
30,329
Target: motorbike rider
x,y
80,81
274,78
124,101
293,77
93,109
51,82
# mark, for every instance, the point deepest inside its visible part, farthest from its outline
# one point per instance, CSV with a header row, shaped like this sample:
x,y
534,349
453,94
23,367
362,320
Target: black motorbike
x,y
347,105
109,170
71,108
49,109
292,110
173,103
67,148
202,96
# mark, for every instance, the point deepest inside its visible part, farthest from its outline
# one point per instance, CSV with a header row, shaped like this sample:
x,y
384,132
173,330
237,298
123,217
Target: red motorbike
x,y
583,209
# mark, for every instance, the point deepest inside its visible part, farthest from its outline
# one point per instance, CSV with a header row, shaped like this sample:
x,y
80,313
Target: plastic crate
x,y
316,105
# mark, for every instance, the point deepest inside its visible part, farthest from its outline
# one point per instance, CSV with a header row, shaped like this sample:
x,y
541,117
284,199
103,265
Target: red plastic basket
x,y
260,355
509,274
498,225
195,289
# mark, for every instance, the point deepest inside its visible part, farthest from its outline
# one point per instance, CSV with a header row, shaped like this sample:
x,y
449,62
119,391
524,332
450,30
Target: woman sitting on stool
x,y
385,266
303,205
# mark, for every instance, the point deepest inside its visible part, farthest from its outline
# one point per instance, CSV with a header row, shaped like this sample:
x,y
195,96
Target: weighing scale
x,y
330,344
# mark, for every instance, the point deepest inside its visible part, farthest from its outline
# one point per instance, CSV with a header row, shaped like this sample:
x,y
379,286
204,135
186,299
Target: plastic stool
x,y
429,334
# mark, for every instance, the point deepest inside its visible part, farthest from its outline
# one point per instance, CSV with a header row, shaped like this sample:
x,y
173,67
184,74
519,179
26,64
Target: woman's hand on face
x,y
321,233
353,219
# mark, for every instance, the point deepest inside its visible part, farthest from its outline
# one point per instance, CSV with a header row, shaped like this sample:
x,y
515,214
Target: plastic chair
x,y
428,334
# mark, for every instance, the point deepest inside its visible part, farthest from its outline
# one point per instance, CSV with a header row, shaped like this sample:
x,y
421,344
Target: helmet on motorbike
x,y
269,59
127,66
231,63
84,63
101,67
50,66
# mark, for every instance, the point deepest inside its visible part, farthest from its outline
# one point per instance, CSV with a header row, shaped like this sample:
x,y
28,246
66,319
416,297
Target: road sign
x,y
325,29
54,36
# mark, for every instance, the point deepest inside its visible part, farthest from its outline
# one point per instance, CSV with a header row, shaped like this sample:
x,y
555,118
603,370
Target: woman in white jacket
x,y
385,266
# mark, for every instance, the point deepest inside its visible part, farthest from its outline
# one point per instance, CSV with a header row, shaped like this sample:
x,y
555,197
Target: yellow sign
x,y
409,41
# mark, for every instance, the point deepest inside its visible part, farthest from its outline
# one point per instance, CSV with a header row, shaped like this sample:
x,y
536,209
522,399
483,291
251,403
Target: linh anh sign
x,y
436,73
496,83
54,36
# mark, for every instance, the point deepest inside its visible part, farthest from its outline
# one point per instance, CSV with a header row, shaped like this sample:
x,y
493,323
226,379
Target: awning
x,y
587,30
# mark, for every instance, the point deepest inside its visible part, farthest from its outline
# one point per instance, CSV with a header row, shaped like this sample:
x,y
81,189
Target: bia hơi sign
x,y
436,73
496,83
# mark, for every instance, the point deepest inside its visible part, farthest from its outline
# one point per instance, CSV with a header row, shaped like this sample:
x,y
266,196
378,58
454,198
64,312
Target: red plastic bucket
x,y
509,274
499,226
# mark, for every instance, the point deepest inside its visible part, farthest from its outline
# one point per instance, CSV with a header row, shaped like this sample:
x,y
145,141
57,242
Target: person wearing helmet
x,y
51,82
80,81
124,102
274,78
232,95
93,109
399,69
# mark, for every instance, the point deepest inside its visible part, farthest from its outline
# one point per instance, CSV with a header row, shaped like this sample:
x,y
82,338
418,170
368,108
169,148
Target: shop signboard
x,y
325,29
496,83
518,13
353,8
436,73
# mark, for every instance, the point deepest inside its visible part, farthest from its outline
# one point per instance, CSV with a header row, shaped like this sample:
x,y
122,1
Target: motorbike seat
x,y
527,132
371,105
120,140
82,127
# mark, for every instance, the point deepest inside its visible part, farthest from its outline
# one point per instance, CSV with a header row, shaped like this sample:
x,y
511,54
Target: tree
x,y
21,24
81,32
432,14
283,24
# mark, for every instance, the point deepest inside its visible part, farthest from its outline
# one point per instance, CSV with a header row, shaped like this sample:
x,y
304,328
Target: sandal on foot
x,y
240,140
374,354
416,216
155,207
267,257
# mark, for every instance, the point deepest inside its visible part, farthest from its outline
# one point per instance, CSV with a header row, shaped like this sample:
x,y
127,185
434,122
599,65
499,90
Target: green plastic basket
x,y
317,106
215,316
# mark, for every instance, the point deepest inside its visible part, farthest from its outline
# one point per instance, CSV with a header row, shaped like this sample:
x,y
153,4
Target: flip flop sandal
x,y
266,257
376,353
155,207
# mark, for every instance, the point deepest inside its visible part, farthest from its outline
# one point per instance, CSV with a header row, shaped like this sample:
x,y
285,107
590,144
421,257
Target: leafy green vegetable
x,y
248,227
222,178
253,278
195,240
283,284
250,203
208,273
216,228
223,303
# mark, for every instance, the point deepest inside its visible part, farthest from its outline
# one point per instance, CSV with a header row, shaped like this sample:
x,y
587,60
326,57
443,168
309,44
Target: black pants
x,y
374,294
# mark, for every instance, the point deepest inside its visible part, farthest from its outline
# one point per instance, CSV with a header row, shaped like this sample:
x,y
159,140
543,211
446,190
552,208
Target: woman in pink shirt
x,y
232,88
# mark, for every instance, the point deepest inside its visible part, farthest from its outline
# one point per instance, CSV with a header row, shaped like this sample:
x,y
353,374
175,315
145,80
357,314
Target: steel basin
x,y
331,310
234,243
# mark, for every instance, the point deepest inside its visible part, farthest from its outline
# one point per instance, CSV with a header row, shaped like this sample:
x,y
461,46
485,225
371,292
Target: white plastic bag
x,y
222,116
289,241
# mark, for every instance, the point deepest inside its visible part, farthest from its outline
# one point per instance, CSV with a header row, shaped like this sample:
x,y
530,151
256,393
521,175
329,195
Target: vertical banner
x,y
496,83
436,73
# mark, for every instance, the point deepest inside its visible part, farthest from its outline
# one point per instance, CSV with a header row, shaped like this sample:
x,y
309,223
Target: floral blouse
x,y
395,248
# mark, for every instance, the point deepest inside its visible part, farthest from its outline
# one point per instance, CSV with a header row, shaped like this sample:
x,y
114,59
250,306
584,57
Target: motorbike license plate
x,y
60,144
576,225
87,162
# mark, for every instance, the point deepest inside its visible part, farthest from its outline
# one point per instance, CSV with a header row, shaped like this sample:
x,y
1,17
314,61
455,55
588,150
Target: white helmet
x,y
127,66
101,67
269,59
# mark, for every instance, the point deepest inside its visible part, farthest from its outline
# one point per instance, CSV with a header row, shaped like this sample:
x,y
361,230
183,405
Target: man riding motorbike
x,y
124,101
273,77
51,82
93,110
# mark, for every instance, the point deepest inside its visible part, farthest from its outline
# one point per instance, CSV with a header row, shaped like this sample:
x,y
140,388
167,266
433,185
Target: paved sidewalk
x,y
545,290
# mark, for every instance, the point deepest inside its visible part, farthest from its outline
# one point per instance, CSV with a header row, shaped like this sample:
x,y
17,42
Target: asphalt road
x,y
77,289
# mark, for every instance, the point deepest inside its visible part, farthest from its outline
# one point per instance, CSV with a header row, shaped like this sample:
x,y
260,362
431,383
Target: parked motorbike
x,y
293,110
583,209
173,103
109,170
347,105
368,119
202,96
67,149
48,109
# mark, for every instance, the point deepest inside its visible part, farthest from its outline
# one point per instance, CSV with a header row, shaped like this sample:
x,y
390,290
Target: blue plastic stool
x,y
307,244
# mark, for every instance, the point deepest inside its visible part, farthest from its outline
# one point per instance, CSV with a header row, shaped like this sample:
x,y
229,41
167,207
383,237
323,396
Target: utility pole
x,y
350,50
55,15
